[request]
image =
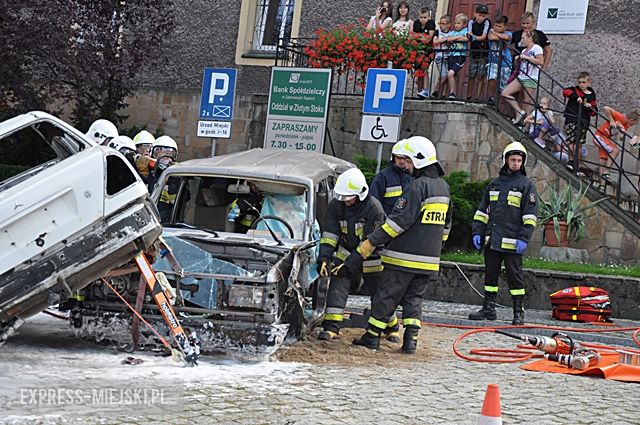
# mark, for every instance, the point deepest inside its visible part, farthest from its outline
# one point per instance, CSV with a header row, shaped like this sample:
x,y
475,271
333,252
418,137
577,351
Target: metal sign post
x,y
384,96
216,104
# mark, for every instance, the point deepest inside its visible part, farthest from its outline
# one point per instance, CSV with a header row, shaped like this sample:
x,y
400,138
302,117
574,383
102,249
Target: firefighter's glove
x,y
341,271
520,246
366,249
323,269
477,240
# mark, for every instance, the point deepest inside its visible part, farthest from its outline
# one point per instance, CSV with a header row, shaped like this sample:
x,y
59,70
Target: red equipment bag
x,y
581,304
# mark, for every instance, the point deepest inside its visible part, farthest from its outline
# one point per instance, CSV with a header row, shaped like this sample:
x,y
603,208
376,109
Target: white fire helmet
x,y
164,143
514,148
349,184
122,144
144,138
421,151
102,130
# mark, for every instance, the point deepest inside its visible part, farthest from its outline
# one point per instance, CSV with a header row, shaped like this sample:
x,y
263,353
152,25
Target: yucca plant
x,y
566,206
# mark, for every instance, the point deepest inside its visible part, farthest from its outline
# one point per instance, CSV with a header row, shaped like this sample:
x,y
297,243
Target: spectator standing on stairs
x,y
579,116
610,131
528,21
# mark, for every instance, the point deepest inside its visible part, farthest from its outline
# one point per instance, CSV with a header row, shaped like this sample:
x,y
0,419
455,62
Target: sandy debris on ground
x,y
432,342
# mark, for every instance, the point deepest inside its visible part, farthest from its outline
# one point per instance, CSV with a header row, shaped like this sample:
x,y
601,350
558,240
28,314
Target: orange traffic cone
x,y
491,414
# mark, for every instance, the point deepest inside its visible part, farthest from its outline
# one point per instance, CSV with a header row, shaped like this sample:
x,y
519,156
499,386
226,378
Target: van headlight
x,y
246,296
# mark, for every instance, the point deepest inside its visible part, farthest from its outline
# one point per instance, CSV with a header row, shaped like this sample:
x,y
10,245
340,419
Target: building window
x,y
274,19
262,24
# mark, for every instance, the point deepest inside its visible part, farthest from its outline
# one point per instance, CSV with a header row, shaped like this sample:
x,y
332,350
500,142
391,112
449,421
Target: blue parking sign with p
x,y
218,93
384,91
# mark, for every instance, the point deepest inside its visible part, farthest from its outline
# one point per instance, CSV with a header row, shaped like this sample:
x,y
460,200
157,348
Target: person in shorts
x,y
499,39
478,31
457,51
584,95
441,45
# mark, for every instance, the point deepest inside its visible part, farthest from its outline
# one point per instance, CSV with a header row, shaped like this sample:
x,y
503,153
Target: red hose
x,y
499,355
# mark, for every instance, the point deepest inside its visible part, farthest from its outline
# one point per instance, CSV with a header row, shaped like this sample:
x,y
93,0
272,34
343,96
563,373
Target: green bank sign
x,y
297,114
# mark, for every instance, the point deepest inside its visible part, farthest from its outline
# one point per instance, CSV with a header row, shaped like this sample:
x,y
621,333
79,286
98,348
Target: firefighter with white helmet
x,y
123,144
503,225
387,186
412,236
352,214
101,131
144,141
165,153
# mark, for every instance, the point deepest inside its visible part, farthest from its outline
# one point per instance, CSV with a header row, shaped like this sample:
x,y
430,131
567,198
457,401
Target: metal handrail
x,y
346,81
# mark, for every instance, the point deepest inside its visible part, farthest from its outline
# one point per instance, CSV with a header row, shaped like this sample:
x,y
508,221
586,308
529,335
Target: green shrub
x,y
368,166
466,197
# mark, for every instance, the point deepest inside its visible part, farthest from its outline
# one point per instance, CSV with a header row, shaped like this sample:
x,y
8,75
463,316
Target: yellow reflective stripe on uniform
x,y
481,217
334,317
166,197
530,219
508,243
389,230
493,195
359,230
514,198
342,253
393,321
247,220
378,324
445,234
411,322
343,227
421,262
516,292
392,191
372,266
329,239
392,228
489,288
77,297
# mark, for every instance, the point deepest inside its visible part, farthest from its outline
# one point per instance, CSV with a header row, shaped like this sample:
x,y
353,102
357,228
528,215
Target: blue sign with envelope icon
x,y
218,94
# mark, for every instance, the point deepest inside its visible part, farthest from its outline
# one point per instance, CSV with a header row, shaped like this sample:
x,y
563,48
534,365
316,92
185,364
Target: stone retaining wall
x,y
468,137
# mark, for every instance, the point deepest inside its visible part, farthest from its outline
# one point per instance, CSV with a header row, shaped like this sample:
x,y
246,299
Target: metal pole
x,y
379,157
214,142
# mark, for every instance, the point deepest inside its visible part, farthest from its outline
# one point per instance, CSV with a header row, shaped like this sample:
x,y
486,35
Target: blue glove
x,y
476,242
520,246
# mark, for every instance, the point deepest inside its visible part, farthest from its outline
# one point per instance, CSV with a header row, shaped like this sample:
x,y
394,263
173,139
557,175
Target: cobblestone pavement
x,y
438,389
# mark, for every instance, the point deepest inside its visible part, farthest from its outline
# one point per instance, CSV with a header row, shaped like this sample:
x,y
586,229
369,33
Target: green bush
x,y
368,166
466,197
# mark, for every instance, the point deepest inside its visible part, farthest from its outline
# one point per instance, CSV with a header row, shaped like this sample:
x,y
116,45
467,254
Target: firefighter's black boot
x,y
410,339
488,310
370,339
518,311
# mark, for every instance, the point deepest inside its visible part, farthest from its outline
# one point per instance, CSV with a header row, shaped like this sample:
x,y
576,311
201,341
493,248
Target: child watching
x,y
607,148
478,30
541,122
426,29
499,39
457,51
441,44
580,94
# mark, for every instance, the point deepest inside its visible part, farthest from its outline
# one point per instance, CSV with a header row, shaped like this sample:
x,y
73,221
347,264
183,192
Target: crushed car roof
x,y
268,163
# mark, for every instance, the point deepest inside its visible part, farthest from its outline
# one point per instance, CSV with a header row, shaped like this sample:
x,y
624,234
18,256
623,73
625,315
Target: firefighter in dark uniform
x,y
503,225
351,215
243,211
388,185
412,236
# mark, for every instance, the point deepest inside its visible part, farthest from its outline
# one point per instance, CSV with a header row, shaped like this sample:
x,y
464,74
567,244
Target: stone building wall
x,y
466,136
207,32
